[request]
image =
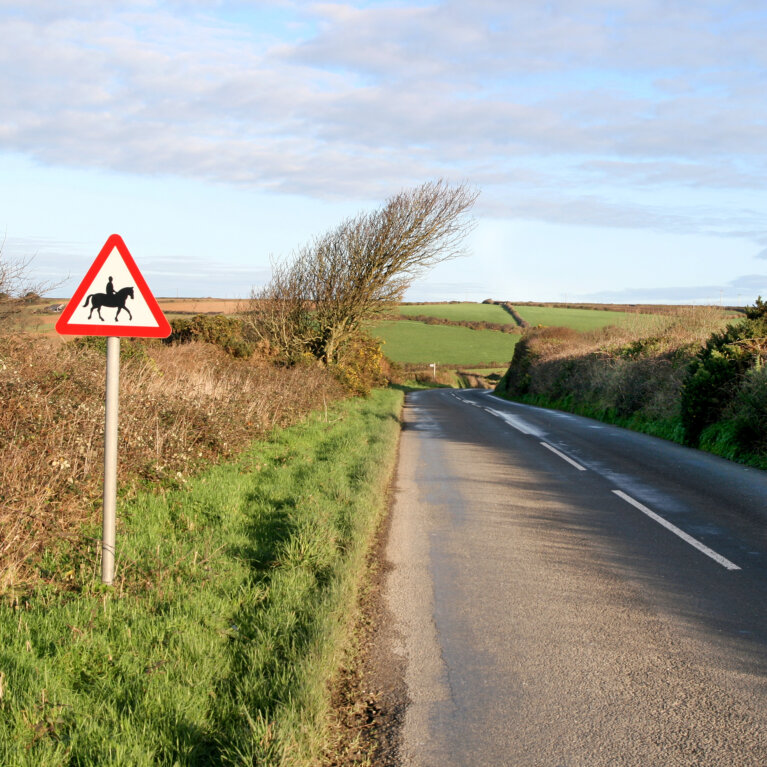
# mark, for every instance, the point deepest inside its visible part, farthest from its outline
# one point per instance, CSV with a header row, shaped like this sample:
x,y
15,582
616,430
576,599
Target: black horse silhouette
x,y
117,299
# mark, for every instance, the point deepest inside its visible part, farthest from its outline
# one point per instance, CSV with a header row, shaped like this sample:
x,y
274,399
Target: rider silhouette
x,y
110,288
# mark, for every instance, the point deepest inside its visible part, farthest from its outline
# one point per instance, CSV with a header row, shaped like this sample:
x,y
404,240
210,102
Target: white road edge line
x,y
563,456
674,529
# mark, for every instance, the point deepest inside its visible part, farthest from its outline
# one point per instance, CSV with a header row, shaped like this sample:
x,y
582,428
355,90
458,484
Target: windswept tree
x,y
319,302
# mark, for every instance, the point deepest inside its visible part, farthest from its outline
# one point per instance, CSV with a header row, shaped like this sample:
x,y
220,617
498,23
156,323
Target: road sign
x,y
113,299
117,303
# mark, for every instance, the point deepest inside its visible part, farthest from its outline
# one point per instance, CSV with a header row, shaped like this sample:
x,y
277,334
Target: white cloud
x,y
558,108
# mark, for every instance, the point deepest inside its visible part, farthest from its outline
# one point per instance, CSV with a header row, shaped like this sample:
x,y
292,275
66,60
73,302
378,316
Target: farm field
x,y
416,342
171,306
460,312
37,317
580,319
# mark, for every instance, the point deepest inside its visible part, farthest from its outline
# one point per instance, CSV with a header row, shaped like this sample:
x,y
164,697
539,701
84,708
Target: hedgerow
x,y
687,379
182,407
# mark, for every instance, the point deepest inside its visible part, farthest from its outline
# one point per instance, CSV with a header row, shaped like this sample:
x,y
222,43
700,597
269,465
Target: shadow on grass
x,y
266,638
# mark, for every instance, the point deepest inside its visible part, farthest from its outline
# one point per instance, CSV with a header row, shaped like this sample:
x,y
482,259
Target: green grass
x,y
579,319
232,603
461,312
406,341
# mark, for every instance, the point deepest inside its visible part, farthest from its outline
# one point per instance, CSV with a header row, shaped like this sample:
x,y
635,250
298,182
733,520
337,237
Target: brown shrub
x,y
181,407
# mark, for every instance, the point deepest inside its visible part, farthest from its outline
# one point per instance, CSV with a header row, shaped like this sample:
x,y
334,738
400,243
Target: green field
x,y
579,319
415,342
461,312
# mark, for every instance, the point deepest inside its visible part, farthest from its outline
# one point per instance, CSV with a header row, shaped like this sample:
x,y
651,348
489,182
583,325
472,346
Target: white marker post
x,y
113,287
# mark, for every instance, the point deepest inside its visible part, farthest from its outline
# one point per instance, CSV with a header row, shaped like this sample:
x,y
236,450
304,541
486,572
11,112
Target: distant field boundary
x,y
628,308
471,324
523,323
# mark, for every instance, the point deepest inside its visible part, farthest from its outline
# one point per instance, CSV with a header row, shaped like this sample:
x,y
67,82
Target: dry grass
x,y
181,407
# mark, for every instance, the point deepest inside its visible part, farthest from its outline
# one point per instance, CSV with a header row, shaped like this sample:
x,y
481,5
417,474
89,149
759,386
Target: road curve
x,y
571,593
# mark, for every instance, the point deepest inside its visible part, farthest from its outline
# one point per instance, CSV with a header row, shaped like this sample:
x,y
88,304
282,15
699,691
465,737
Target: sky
x,y
619,146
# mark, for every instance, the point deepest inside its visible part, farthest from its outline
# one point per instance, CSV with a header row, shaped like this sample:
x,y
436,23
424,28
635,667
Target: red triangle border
x,y
63,325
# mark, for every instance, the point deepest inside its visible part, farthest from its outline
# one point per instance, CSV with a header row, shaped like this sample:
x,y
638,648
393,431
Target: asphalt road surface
x,y
568,593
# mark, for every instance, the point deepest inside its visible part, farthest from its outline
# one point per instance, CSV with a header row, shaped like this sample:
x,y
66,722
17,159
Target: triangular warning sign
x,y
113,299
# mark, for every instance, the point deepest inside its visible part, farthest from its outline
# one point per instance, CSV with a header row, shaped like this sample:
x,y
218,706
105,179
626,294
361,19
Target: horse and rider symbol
x,y
111,298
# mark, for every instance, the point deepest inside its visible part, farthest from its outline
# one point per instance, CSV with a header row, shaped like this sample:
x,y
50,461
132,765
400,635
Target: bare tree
x,y
340,282
16,287
280,314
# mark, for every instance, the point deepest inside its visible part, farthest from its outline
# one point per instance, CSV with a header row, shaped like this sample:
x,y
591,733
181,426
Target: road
x,y
568,593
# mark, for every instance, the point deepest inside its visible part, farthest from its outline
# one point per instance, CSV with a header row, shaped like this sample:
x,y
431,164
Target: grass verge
x,y
233,600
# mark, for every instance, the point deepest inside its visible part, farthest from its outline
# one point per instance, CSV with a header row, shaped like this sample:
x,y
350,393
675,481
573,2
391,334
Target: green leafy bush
x,y
749,410
718,371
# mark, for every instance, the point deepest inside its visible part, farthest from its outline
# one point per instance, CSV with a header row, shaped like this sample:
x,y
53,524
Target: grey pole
x,y
110,460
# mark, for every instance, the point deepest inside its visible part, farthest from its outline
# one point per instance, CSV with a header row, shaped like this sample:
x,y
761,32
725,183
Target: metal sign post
x,y
110,460
113,282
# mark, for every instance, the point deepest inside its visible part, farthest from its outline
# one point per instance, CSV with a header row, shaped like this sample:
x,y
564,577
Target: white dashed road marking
x,y
563,456
674,529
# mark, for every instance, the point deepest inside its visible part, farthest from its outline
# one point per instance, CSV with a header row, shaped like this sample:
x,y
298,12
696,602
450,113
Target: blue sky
x,y
620,147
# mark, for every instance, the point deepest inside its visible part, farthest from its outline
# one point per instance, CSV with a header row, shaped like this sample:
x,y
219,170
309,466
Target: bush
x,y
536,344
130,348
717,372
228,333
360,365
749,410
688,380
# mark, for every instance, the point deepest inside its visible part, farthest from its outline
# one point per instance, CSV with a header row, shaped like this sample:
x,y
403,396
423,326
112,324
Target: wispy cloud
x,y
734,292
